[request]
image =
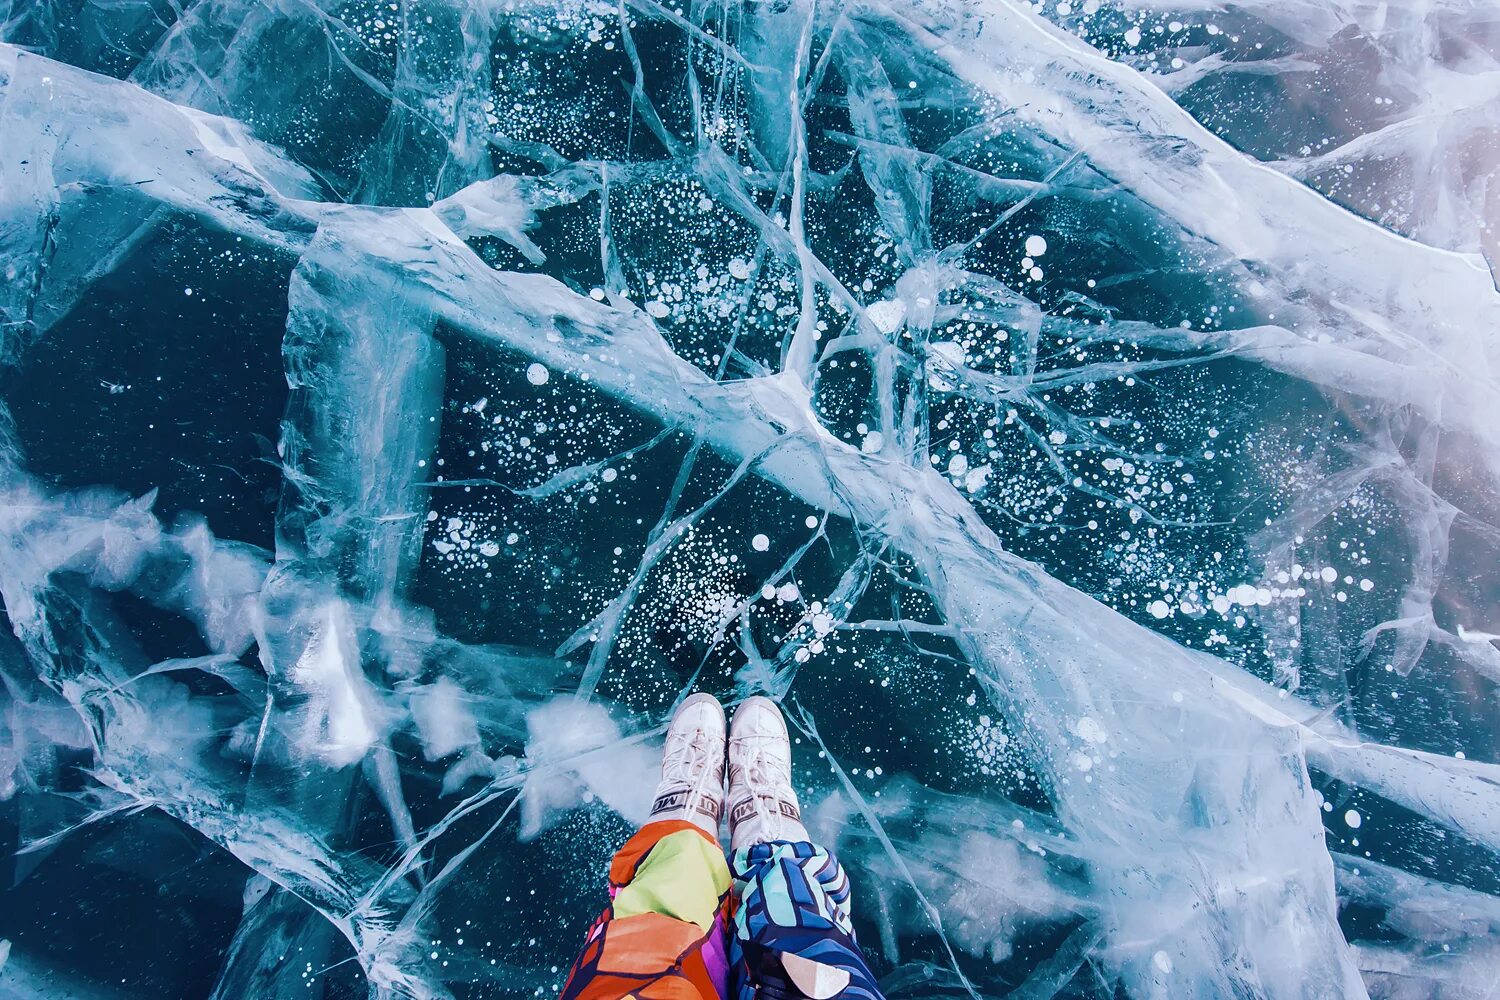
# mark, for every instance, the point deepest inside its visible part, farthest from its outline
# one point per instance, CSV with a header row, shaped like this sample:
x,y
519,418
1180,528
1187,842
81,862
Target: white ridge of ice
x,y
1367,326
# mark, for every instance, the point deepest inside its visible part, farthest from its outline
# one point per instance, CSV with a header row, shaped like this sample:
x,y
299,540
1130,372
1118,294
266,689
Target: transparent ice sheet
x,y
1084,420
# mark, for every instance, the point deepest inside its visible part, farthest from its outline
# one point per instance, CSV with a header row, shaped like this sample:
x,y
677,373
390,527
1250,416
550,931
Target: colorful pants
x,y
680,927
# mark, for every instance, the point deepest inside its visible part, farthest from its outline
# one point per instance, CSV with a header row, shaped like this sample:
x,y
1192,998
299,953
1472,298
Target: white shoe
x,y
692,765
762,805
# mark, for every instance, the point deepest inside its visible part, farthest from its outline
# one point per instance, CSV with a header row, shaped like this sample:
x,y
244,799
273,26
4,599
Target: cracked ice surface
x,y
1084,420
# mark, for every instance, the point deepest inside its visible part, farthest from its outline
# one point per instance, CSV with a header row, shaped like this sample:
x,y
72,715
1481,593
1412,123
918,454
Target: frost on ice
x,y
1084,420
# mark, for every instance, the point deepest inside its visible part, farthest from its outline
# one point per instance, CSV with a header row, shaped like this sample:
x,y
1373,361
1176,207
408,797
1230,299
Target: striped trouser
x,y
681,926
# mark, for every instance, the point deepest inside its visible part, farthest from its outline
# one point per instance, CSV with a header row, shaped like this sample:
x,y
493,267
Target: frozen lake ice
x,y
1083,418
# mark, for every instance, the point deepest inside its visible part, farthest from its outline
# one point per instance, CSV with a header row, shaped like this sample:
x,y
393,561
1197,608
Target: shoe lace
x,y
692,755
764,770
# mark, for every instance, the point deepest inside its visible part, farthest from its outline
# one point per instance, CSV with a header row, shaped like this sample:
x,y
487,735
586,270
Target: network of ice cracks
x,y
1084,417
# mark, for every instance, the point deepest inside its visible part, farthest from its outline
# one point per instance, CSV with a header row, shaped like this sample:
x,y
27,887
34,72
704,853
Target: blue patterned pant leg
x,y
792,897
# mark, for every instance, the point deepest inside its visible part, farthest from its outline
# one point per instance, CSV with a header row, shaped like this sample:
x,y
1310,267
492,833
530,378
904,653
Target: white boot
x,y
692,765
762,805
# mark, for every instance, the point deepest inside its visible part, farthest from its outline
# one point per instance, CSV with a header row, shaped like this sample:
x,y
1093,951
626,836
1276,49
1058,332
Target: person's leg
x,y
664,934
792,937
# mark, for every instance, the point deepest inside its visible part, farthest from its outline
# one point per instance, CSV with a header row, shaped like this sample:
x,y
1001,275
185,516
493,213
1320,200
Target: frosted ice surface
x,y
1084,418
